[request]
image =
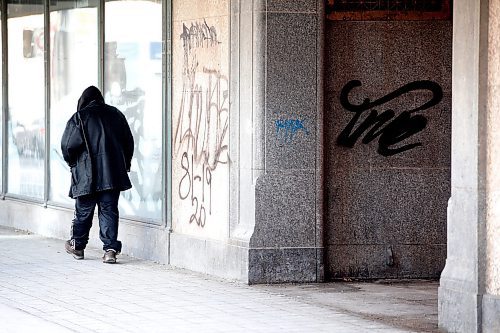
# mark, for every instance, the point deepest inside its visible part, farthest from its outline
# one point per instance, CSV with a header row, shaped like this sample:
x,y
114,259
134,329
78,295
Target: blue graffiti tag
x,y
287,129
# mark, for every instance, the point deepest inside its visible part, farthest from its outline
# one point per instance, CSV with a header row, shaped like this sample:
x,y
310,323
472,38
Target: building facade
x,y
276,141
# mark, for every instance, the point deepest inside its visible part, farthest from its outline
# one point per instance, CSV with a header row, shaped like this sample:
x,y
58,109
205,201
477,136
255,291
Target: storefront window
x,y
26,116
74,67
133,83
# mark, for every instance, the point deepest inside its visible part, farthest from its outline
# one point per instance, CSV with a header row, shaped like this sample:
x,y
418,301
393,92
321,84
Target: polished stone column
x,y
469,286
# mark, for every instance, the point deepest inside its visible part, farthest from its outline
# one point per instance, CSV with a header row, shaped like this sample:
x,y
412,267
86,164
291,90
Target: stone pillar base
x,y
491,314
458,308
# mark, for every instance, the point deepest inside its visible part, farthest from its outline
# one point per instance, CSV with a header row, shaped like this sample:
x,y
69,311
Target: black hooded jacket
x,y
109,140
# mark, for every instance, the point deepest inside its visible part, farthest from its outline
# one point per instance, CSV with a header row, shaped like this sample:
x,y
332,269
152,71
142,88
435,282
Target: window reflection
x,y
26,123
133,83
73,60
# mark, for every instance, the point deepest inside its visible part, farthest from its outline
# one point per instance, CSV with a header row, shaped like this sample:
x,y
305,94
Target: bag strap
x,y
83,131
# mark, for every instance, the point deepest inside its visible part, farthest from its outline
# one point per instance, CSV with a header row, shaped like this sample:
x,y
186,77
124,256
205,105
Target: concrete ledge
x,y
491,314
219,258
458,310
139,239
268,265
48,222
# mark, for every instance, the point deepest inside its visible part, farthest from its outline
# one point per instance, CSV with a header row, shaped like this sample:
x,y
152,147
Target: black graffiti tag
x,y
406,124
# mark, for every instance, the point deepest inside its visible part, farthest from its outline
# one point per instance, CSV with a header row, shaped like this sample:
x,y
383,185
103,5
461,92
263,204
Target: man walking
x,y
98,146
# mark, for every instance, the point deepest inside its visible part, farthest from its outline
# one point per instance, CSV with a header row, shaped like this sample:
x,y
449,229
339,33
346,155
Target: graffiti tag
x,y
287,129
403,126
201,131
188,186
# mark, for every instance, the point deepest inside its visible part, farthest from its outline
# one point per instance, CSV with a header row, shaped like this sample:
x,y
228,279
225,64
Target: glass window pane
x,y
26,123
133,83
73,59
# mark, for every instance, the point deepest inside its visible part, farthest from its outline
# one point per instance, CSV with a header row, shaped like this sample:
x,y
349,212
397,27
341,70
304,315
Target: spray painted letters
x,y
406,124
287,129
201,129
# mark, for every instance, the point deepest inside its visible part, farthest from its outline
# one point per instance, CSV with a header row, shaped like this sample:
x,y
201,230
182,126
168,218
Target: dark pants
x,y
107,203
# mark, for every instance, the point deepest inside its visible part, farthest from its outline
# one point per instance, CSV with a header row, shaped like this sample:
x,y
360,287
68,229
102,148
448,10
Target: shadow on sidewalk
x,y
404,304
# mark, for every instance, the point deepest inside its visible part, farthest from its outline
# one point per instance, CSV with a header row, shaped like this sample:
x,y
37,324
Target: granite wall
x,y
286,244
387,168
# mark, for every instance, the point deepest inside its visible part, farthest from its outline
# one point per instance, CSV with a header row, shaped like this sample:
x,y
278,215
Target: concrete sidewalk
x,y
43,289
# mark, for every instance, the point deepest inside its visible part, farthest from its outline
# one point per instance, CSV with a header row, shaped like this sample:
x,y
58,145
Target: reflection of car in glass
x,y
30,139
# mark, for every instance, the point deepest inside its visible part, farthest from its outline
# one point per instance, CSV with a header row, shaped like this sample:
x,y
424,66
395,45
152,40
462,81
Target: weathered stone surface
x,y
377,196
283,265
385,261
379,206
490,314
462,282
291,99
300,6
284,210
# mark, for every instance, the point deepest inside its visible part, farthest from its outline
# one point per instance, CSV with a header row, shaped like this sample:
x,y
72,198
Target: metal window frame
x,y
167,114
4,146
46,60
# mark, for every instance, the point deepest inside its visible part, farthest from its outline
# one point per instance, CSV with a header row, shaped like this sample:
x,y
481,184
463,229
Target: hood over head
x,y
90,94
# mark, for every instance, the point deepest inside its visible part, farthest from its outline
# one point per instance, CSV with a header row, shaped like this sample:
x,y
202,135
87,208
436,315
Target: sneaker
x,y
69,245
109,257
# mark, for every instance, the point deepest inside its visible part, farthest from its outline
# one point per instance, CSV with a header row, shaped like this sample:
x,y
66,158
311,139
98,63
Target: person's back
x,y
111,145
98,146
